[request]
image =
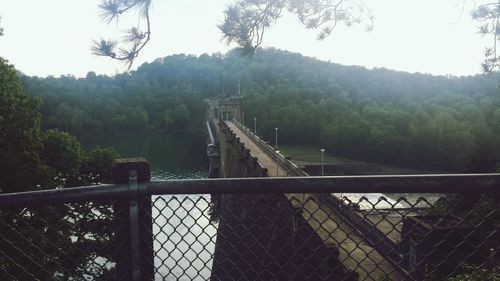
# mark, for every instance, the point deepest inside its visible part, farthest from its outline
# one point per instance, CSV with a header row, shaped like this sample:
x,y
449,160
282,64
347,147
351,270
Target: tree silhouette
x,y
1,28
134,39
489,16
245,22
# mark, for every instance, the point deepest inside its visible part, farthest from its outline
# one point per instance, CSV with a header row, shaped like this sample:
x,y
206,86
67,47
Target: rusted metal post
x,y
134,254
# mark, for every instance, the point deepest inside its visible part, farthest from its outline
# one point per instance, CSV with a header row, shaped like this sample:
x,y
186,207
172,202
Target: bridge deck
x,y
354,252
267,161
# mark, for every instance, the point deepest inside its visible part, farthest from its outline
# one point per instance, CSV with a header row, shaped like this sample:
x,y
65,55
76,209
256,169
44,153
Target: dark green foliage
x,y
62,242
56,242
51,242
19,134
61,151
70,165
31,158
96,165
475,273
418,121
430,123
135,102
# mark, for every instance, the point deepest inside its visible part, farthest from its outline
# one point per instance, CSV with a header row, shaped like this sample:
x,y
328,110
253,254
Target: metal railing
x,y
424,227
291,168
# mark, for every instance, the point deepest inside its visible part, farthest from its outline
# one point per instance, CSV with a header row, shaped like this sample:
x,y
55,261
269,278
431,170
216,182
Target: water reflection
x,y
170,155
184,237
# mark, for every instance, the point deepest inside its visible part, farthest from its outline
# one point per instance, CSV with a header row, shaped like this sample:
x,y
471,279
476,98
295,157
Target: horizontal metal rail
x,y
290,167
433,183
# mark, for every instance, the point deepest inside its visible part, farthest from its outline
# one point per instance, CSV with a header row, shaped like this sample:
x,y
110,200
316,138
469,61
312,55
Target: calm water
x,y
170,155
184,237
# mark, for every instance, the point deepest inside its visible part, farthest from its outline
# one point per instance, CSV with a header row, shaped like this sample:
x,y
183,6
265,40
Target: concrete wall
x,y
291,168
263,236
236,160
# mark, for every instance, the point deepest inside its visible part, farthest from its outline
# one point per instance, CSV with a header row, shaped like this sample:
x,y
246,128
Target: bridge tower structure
x,y
229,108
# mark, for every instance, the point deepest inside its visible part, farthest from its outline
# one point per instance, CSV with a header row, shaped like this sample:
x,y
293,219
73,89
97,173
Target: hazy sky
x,y
53,37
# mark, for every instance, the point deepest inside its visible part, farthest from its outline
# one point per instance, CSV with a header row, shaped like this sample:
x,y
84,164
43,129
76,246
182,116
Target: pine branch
x,y
488,15
134,40
1,28
246,21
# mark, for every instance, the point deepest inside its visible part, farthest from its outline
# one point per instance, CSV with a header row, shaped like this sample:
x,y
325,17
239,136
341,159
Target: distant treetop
x,y
246,22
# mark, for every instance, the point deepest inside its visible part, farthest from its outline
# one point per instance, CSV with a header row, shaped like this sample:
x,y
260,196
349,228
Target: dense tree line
x,y
434,123
101,103
412,120
35,159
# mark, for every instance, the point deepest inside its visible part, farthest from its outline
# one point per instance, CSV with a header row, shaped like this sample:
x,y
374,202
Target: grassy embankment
x,y
311,154
308,153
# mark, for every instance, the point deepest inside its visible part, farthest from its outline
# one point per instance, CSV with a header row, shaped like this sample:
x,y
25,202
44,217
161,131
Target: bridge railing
x,y
291,168
424,227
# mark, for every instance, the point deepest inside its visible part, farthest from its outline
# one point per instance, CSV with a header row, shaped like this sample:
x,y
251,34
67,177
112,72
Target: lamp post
x,y
276,138
255,125
322,162
277,163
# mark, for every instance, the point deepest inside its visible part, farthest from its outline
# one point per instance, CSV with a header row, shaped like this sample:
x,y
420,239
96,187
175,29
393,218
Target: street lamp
x,y
255,125
322,162
276,138
277,163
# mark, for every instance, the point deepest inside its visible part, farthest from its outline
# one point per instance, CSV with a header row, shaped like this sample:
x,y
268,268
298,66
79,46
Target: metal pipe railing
x,y
431,183
291,168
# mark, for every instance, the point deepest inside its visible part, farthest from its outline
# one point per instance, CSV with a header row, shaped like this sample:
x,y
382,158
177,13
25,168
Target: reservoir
x,y
171,155
184,237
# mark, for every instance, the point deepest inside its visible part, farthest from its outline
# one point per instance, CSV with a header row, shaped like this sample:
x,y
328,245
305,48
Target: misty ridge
x,y
420,121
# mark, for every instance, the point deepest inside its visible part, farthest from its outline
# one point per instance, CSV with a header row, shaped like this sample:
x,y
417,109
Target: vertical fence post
x,y
134,254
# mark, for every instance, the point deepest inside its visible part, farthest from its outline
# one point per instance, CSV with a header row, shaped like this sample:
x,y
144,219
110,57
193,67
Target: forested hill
x,y
412,120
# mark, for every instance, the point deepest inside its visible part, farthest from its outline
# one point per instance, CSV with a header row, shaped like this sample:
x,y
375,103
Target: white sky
x,y
53,37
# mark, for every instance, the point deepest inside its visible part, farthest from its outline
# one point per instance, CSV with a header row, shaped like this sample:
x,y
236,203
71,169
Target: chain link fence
x,y
273,236
58,242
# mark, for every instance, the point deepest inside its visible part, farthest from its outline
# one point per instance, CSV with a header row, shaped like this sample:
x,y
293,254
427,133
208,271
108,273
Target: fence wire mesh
x,y
63,242
261,237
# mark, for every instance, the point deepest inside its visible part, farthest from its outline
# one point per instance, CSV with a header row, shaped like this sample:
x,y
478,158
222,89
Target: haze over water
x,y
172,155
